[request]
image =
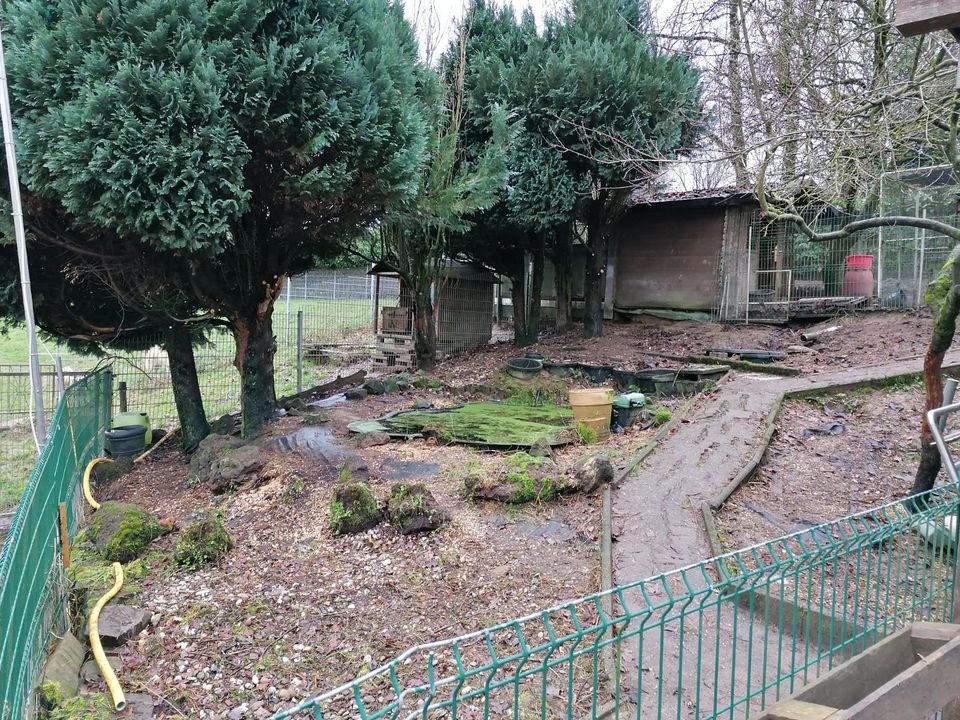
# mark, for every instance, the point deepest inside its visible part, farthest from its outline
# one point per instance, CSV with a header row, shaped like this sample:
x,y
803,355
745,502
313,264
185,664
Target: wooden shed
x,y
463,303
668,250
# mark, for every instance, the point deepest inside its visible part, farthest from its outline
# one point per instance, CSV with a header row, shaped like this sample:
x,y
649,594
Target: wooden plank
x,y
918,692
915,17
64,535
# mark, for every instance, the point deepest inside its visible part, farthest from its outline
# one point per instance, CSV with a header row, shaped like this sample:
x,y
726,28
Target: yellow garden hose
x,y
93,631
86,481
93,624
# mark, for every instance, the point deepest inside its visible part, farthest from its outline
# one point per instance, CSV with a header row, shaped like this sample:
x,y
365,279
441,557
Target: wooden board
x,y
915,17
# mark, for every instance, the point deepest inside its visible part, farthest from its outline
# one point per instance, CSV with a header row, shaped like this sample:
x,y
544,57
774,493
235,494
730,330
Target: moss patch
x,y
353,508
487,423
541,390
121,532
522,479
204,541
83,707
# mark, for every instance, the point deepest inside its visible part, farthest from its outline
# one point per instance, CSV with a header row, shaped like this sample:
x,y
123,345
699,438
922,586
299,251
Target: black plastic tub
x,y
126,440
524,368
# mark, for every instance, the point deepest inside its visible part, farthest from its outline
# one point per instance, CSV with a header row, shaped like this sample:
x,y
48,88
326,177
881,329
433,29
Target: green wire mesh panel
x,y
721,639
32,588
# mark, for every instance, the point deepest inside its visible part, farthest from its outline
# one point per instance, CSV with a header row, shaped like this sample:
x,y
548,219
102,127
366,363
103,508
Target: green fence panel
x,y
724,638
32,587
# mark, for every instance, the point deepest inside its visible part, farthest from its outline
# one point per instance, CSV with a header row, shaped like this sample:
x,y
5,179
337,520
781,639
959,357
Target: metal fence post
x,y
122,394
299,351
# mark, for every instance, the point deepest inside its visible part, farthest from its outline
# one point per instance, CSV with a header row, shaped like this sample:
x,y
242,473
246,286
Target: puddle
x,y
320,444
407,469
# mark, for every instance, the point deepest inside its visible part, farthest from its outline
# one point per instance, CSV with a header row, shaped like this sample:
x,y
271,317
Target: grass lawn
x,y
17,457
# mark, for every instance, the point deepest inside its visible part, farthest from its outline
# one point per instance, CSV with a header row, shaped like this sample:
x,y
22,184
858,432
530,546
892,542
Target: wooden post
x,y
64,536
122,392
299,351
915,17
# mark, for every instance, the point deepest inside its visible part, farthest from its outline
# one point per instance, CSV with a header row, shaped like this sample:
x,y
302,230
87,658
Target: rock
x,y
422,404
404,380
390,385
209,449
541,448
121,532
353,508
372,439
90,671
424,382
295,405
139,706
61,673
223,425
203,541
321,446
374,386
589,474
238,713
118,623
233,467
356,393
315,419
158,435
797,349
412,508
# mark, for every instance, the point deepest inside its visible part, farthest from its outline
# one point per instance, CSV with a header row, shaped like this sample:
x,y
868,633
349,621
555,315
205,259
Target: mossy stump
x,y
412,508
121,532
353,508
203,541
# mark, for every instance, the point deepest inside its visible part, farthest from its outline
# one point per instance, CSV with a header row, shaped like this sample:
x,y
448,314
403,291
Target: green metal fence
x,y
721,639
32,587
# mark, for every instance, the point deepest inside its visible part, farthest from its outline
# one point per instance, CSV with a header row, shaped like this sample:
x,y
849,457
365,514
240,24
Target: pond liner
x,y
378,425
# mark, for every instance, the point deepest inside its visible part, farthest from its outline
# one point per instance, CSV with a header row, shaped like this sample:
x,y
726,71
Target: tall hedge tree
x,y
600,91
242,137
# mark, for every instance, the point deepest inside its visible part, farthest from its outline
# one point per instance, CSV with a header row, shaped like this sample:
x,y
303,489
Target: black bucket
x,y
126,440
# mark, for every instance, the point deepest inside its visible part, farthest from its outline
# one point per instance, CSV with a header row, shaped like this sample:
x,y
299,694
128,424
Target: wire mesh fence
x,y
32,588
723,638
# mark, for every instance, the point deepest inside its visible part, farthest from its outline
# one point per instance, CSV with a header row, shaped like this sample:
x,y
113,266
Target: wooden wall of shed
x,y
736,266
668,257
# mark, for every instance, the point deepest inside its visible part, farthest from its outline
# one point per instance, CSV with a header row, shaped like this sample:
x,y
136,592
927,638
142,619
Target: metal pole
x,y
58,368
299,351
17,211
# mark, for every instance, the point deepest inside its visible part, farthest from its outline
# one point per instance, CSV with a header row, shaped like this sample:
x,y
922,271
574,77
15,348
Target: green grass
x,y
492,423
17,457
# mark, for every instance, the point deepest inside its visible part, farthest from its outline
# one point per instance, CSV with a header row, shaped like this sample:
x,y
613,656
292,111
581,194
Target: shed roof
x,y
729,195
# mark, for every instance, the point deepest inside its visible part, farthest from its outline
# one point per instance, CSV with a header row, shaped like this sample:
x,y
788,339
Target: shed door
x,y
668,258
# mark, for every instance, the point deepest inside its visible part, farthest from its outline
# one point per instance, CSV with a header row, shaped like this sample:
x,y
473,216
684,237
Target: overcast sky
x,y
446,12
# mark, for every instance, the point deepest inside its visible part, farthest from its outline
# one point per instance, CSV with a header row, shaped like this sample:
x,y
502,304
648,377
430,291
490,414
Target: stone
x,y
234,467
118,623
139,706
422,404
223,425
358,393
412,508
121,532
158,435
372,439
320,445
404,380
315,419
61,673
390,385
353,508
239,712
203,541
209,449
90,671
374,386
589,474
800,349
295,405
541,448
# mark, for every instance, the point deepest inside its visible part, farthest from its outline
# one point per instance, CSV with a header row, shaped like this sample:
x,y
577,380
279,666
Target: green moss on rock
x,y
412,508
83,707
353,508
203,541
121,532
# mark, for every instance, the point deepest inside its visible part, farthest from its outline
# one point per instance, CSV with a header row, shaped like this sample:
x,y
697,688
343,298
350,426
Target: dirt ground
x,y
830,456
863,339
294,610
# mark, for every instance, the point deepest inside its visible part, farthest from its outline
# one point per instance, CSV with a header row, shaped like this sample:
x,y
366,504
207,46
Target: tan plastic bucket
x,y
593,407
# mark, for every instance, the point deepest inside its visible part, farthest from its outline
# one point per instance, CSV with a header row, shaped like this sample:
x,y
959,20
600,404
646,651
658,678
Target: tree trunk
x,y
536,294
596,269
518,298
944,328
186,388
256,347
737,140
562,270
424,330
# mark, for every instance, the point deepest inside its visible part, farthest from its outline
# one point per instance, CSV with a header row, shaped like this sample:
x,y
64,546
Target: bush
x,y
204,541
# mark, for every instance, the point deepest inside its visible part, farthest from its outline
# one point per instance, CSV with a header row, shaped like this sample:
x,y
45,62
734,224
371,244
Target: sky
x,y
445,13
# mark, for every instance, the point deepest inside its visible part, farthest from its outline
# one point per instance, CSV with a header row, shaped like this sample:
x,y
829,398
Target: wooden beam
x,y
915,17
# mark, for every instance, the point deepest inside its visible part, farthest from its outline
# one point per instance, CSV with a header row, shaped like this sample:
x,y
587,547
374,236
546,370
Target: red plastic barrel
x,y
858,279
